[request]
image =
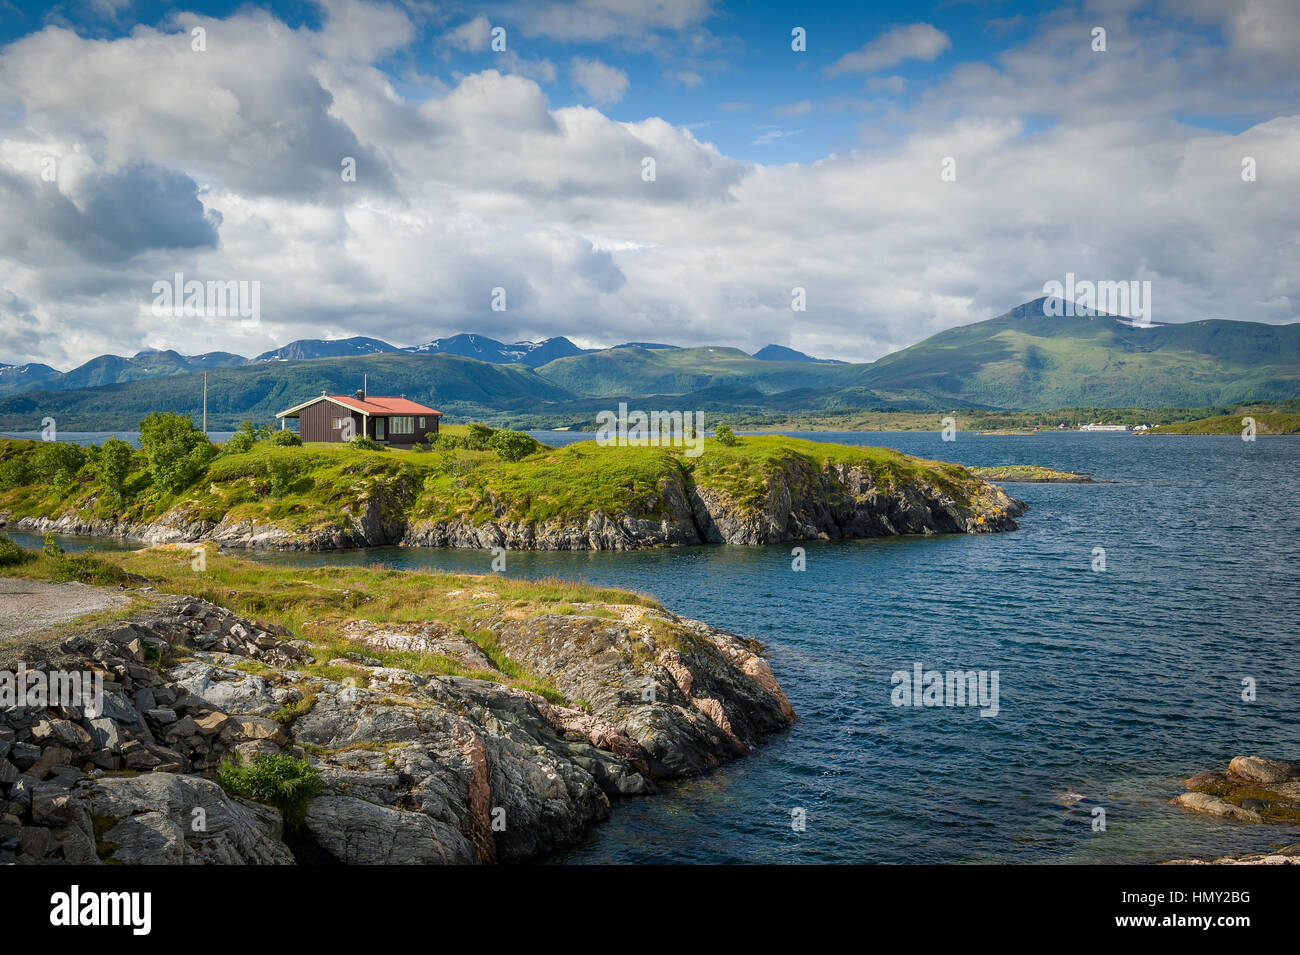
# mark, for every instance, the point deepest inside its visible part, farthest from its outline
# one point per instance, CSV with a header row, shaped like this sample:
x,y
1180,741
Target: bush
x,y
283,472
11,555
724,436
513,445
50,548
276,779
177,451
285,439
478,437
239,443
16,472
114,465
365,444
56,462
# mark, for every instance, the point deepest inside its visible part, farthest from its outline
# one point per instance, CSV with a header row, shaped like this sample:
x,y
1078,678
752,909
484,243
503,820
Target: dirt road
x,y
27,606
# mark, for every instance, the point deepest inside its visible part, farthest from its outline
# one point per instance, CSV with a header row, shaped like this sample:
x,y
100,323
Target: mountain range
x,y
115,369
1022,360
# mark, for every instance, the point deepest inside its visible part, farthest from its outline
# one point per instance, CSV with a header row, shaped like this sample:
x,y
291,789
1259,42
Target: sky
x,y
911,168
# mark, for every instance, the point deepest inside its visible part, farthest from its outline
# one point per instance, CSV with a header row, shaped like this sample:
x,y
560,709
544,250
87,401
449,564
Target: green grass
x,y
322,487
1265,423
278,780
1031,473
318,603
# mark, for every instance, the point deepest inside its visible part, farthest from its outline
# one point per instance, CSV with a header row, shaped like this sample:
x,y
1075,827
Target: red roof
x,y
379,404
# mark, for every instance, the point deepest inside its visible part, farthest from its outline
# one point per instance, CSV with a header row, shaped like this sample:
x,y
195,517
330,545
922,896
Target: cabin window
x,y
336,424
422,423
401,424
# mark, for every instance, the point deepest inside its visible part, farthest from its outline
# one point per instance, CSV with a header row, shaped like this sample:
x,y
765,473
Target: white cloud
x,y
625,20
886,84
603,83
919,41
473,35
488,183
801,108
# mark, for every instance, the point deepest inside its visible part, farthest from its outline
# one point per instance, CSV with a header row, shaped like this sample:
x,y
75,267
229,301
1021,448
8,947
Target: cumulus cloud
x,y
226,173
919,41
473,35
605,84
624,20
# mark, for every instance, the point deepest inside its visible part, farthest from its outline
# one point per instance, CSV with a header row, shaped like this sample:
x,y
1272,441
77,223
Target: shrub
x,y
285,439
57,462
276,779
177,451
283,472
50,548
513,445
11,555
239,443
16,472
114,465
365,444
724,436
478,437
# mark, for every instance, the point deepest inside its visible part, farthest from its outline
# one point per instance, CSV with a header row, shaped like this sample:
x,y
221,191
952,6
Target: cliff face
x,y
414,768
796,501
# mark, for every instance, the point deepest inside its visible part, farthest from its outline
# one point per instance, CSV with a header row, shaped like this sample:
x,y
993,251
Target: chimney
x,y
361,396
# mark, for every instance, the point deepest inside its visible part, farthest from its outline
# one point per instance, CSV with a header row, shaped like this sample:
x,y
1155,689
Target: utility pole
x,y
205,404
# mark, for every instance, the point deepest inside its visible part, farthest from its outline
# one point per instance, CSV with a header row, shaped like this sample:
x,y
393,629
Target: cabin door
x,y
379,428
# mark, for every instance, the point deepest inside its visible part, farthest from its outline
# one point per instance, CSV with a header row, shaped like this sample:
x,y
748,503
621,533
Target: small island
x,y
477,487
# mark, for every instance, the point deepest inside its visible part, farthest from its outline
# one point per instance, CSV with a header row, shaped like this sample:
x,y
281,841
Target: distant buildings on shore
x,y
1115,427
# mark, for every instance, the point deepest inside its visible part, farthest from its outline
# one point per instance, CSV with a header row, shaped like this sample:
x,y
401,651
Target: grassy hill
x,y
1027,360
1265,423
453,385
676,371
317,487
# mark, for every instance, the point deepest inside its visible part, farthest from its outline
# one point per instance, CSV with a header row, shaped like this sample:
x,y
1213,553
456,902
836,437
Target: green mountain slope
x,y
1025,359
454,385
674,371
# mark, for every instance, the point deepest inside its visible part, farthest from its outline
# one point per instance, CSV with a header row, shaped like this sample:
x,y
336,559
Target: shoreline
x,y
411,762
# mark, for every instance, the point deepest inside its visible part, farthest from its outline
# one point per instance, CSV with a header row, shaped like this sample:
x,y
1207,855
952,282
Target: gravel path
x,y
27,606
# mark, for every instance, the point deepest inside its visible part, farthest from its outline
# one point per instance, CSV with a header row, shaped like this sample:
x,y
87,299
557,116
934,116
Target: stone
x,y
1267,772
1214,806
24,755
50,757
105,733
210,724
156,813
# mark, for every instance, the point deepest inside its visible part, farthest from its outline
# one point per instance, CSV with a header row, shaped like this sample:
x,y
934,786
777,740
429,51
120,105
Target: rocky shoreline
x,y
1254,790
801,502
413,768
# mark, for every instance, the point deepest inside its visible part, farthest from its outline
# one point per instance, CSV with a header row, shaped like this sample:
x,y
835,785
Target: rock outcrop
x,y
413,768
799,501
1254,789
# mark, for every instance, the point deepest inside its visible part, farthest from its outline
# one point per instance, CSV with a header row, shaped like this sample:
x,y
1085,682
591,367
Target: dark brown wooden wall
x,y
314,421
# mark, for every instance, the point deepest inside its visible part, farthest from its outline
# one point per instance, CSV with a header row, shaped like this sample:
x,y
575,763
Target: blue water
x,y
1113,685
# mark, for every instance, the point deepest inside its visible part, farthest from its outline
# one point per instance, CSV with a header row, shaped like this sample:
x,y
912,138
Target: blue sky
x,y
736,81
522,169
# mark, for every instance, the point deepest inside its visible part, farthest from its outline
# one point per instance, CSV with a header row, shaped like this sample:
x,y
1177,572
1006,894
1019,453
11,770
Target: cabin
x,y
393,421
